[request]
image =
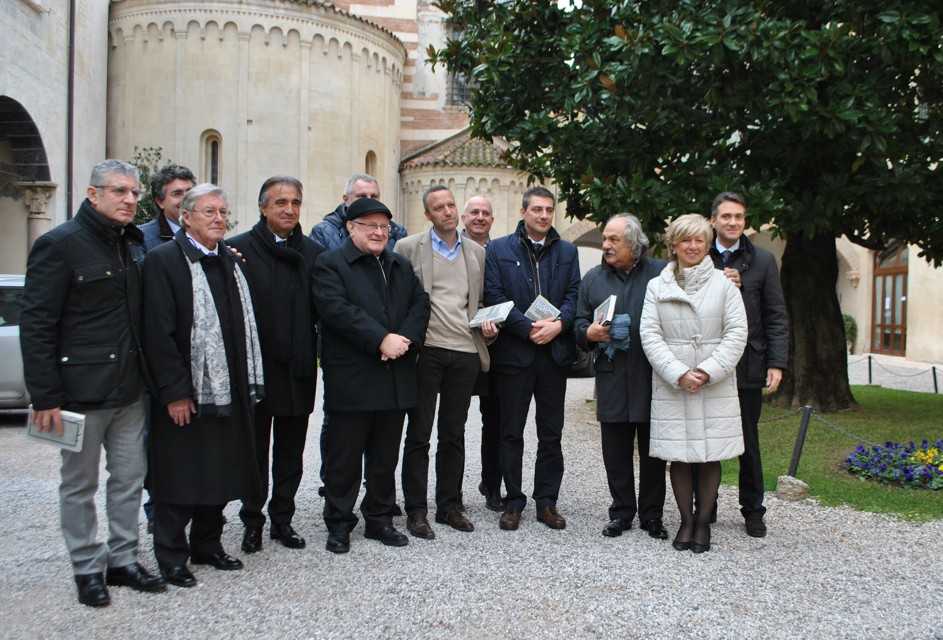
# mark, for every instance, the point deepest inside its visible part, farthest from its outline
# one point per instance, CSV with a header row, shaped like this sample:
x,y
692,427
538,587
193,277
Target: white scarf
x,y
208,367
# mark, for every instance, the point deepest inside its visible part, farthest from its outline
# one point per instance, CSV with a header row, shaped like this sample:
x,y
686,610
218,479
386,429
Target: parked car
x,y
13,393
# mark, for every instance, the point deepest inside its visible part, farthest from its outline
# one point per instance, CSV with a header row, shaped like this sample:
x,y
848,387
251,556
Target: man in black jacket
x,y
754,270
80,333
168,187
373,313
623,374
532,357
279,265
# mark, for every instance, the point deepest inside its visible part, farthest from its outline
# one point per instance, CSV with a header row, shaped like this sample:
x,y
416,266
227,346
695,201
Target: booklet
x,y
541,309
497,313
73,431
604,312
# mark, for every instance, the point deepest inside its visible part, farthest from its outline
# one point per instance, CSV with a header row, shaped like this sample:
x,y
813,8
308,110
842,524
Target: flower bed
x,y
910,465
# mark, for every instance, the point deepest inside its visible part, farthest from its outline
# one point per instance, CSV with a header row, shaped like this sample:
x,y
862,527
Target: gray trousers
x,y
121,433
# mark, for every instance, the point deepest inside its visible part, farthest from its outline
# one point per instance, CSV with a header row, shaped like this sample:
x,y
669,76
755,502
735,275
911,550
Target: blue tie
x,y
727,256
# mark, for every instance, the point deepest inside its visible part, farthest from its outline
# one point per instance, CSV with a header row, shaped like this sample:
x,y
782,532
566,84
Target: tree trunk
x,y
818,364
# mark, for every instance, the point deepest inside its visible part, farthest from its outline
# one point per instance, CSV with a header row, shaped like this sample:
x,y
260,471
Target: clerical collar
x,y
721,248
204,250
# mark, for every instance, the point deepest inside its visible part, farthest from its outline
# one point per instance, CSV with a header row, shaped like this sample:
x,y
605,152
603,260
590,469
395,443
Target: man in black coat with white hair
x,y
279,265
373,313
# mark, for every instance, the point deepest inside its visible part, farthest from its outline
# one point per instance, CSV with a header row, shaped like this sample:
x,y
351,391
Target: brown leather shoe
x,y
455,519
510,520
552,518
417,525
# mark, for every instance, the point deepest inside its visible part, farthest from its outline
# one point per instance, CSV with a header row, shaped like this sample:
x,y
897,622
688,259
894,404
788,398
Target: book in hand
x,y
497,314
604,312
73,431
541,309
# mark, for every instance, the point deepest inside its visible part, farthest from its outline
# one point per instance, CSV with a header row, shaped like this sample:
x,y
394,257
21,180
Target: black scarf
x,y
289,339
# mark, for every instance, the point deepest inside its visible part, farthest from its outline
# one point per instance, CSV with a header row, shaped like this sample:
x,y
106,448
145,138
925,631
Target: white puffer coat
x,y
700,326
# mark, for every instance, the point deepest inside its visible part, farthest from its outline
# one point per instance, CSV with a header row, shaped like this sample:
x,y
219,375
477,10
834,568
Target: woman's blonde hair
x,y
687,226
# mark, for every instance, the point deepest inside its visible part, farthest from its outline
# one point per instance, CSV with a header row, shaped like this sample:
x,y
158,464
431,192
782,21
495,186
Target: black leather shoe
x,y
615,527
701,543
252,540
287,536
756,528
136,577
92,590
388,535
656,528
178,576
510,520
418,526
552,518
455,519
219,560
493,500
338,541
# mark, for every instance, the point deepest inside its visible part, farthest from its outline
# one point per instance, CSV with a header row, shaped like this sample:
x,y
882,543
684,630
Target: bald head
x,y
477,219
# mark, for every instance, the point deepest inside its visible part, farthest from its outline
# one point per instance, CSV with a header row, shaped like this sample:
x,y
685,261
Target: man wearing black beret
x,y
373,313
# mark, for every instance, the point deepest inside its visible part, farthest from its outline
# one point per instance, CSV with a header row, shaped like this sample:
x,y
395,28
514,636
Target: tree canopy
x,y
826,115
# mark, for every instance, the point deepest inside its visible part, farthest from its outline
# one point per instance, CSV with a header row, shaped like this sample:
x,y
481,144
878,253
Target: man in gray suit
x,y
452,273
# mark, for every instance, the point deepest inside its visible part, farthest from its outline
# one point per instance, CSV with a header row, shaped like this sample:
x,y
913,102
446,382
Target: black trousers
x,y
171,547
351,439
545,382
618,444
490,433
289,434
449,376
751,467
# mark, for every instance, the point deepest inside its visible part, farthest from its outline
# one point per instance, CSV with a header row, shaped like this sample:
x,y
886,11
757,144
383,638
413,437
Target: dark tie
x,y
727,256
280,243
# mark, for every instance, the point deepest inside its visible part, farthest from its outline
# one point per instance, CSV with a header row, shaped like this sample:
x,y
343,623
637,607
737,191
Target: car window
x,y
10,298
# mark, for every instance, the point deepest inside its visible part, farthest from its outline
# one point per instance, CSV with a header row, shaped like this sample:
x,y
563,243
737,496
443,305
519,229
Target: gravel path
x,y
821,573
894,373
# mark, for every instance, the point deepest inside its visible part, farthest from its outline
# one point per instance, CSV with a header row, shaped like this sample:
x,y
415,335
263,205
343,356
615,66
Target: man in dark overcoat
x,y
623,375
531,358
202,447
754,270
373,313
279,265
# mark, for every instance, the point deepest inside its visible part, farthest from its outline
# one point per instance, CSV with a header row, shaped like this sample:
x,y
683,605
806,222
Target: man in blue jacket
x,y
331,232
531,358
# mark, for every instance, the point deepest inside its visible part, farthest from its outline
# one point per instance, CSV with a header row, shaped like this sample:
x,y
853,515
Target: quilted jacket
x,y
702,325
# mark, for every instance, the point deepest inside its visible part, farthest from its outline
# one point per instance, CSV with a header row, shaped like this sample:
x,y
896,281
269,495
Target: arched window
x,y
212,153
370,164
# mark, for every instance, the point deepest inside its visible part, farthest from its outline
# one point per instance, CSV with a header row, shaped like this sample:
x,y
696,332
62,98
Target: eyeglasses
x,y
368,226
212,212
121,192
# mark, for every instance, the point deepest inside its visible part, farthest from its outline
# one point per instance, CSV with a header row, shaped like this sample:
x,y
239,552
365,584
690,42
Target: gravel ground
x,y
821,572
894,373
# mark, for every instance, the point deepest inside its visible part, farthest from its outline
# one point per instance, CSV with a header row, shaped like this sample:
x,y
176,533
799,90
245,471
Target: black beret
x,y
366,206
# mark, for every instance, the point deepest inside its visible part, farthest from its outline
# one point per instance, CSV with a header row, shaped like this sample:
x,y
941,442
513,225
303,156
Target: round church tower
x,y
239,90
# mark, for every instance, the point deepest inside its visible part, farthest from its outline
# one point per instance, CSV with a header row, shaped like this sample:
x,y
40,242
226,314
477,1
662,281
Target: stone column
x,y
36,196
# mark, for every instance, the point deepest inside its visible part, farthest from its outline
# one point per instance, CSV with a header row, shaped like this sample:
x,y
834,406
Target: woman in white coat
x,y
693,330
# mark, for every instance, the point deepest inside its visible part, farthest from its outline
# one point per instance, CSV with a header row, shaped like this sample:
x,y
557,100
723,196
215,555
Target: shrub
x,y
851,331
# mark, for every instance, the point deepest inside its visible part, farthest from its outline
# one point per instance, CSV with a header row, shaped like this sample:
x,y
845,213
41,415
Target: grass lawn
x,y
883,415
